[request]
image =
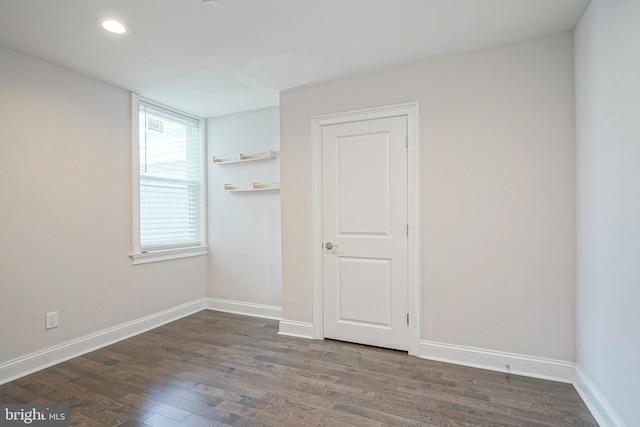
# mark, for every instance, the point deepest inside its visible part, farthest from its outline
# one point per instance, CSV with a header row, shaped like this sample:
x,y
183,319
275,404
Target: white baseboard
x,y
245,308
33,362
536,367
597,404
291,328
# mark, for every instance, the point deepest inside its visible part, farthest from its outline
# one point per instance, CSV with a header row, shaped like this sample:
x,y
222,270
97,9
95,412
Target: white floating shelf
x,y
240,158
254,186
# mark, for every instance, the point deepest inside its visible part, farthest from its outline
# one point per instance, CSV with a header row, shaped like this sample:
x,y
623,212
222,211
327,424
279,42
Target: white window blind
x,y
171,199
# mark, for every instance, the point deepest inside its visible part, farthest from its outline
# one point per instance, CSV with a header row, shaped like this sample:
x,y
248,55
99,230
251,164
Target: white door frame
x,y
410,110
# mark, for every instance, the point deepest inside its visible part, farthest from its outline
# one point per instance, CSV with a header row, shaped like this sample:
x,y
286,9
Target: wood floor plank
x,y
219,369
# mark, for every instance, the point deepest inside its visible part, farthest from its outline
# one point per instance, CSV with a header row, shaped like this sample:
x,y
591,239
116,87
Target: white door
x,y
365,232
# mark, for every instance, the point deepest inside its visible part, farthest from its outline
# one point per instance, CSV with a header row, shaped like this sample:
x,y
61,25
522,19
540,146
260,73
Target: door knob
x,y
328,246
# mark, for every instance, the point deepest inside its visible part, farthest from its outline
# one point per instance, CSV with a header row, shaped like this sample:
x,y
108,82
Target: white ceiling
x,y
240,59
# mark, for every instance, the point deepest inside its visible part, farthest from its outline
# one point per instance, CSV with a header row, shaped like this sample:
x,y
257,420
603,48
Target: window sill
x,y
143,258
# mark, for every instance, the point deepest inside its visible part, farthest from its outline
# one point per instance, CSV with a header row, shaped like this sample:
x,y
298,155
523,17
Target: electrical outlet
x,y
52,320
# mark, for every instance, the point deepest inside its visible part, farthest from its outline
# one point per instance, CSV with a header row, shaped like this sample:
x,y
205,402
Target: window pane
x,y
170,190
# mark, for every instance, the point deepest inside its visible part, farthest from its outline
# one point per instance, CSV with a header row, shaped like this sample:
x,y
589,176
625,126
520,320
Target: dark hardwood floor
x,y
213,369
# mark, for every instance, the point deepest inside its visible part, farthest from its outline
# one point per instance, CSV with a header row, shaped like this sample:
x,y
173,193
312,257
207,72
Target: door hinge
x,y
406,141
407,319
407,230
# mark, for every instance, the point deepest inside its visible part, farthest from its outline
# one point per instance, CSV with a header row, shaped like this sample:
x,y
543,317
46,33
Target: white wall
x,y
65,212
244,228
607,59
497,188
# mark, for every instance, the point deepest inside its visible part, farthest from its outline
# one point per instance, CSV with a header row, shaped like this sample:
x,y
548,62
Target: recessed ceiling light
x,y
113,26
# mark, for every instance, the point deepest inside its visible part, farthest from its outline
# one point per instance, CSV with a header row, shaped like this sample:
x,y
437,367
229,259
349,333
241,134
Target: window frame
x,y
137,256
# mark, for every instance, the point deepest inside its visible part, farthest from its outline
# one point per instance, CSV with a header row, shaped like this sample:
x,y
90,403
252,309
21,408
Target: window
x,y
169,219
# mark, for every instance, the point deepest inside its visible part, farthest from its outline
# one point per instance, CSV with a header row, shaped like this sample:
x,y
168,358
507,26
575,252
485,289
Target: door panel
x,y
364,276
364,222
363,197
